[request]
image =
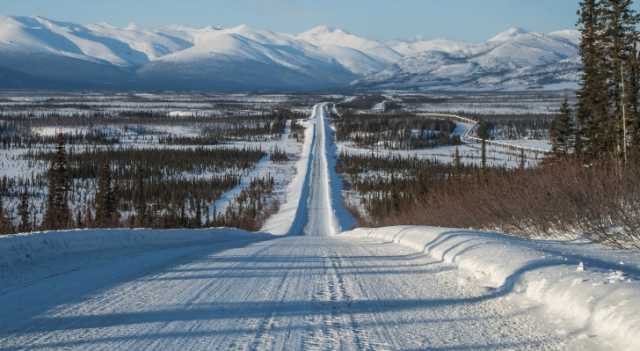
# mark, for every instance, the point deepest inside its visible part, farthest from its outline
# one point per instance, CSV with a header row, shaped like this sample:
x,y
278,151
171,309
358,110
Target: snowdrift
x,y
23,249
596,298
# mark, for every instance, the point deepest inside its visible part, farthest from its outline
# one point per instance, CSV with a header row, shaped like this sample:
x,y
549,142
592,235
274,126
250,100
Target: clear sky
x,y
471,20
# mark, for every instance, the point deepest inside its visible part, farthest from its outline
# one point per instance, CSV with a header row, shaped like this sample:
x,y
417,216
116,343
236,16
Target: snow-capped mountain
x,y
243,57
39,52
514,59
324,36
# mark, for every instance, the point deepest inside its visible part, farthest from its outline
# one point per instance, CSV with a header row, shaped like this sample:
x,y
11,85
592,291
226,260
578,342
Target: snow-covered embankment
x,y
595,298
18,250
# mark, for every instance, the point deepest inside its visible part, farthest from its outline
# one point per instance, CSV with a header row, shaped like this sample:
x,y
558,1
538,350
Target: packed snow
x,y
601,299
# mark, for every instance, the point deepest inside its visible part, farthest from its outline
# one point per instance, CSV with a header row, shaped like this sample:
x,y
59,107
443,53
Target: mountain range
x,y
36,52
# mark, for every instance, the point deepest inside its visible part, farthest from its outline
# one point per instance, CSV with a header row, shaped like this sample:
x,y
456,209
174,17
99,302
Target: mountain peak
x,y
508,34
132,26
324,29
326,35
241,28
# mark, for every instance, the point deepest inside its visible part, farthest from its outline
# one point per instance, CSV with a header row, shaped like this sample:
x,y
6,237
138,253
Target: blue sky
x,y
471,20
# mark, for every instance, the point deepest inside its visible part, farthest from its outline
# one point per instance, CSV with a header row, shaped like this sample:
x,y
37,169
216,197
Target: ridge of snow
x,y
408,48
153,44
291,216
570,35
509,34
323,36
597,298
19,249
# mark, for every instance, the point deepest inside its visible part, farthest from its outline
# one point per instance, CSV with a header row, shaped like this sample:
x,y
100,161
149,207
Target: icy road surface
x,y
312,291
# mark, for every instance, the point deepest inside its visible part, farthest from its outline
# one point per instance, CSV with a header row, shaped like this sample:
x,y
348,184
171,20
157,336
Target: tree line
x,y
401,131
137,188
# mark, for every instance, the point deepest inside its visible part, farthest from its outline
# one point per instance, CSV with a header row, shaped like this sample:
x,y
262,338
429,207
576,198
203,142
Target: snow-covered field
x,y
142,122
460,108
384,289
469,154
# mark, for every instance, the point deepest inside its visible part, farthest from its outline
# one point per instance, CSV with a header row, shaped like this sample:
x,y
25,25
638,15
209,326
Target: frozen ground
x,y
217,289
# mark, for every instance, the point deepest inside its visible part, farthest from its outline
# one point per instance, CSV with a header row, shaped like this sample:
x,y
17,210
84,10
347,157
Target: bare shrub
x,y
600,201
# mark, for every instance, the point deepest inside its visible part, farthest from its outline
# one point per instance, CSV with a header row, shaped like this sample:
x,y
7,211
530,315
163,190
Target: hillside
x,y
41,52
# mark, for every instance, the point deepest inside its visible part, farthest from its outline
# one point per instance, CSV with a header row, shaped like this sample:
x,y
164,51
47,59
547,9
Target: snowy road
x,y
304,292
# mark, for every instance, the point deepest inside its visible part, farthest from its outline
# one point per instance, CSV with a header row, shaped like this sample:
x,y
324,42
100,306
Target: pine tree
x,y
57,214
5,221
633,101
484,134
562,132
79,219
620,22
457,162
182,219
592,96
483,154
24,213
105,199
484,130
198,217
140,204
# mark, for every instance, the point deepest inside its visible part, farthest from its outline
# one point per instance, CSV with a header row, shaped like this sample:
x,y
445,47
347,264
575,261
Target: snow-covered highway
x,y
311,291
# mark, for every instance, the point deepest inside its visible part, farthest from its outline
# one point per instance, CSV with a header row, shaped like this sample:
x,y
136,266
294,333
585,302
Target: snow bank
x,y
602,300
34,247
341,217
292,215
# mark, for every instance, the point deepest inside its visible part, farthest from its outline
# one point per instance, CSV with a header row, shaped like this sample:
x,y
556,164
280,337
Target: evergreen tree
x,y
457,162
105,198
633,101
483,154
608,95
24,213
562,131
198,218
592,94
620,22
79,219
484,130
140,204
182,220
5,221
57,213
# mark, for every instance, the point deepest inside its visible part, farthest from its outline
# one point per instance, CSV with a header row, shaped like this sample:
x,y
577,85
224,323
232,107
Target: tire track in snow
x,y
263,340
358,335
338,328
318,336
